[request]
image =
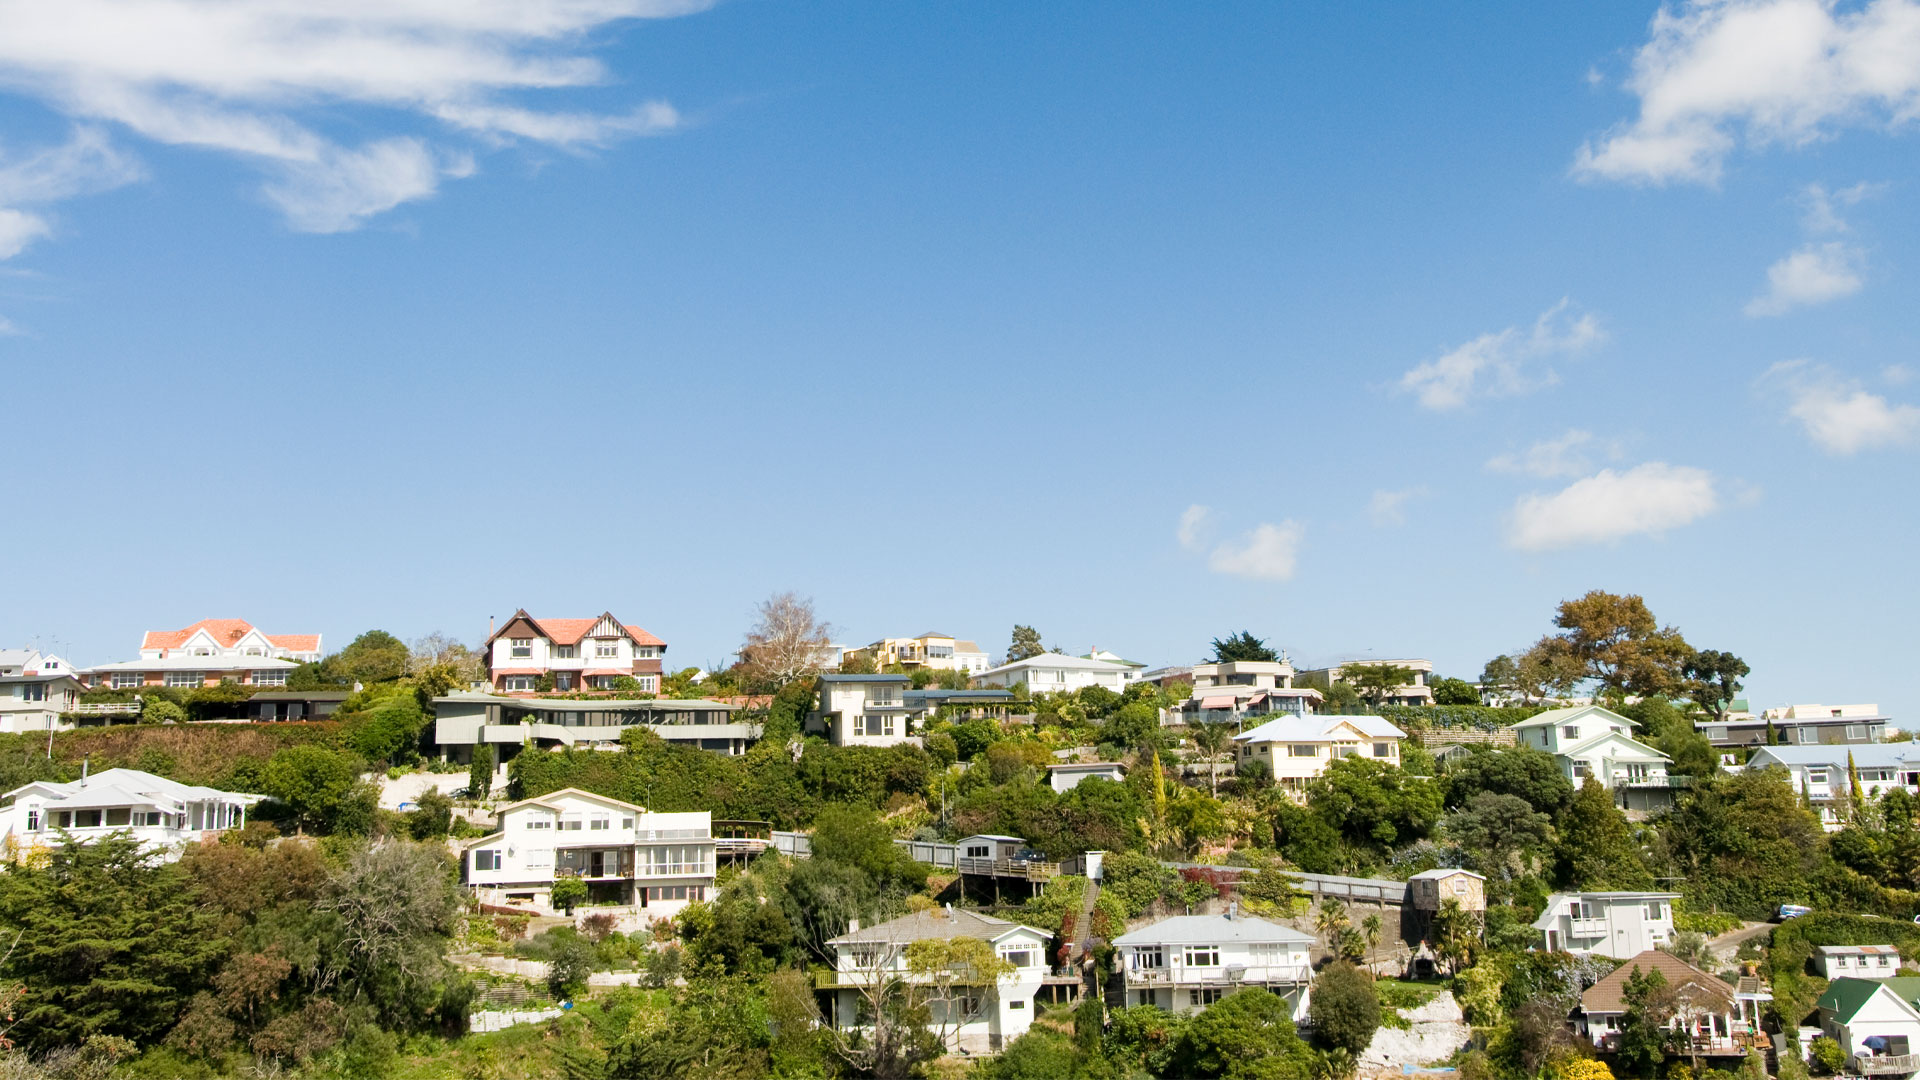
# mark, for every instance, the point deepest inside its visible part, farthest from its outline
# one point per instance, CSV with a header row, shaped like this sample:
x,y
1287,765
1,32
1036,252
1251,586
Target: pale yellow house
x,y
1299,748
936,652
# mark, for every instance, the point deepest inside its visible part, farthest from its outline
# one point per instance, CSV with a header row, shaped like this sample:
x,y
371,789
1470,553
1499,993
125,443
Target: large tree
x,y
1026,643
1614,641
1242,646
787,642
1712,679
1375,681
1597,850
374,657
1496,828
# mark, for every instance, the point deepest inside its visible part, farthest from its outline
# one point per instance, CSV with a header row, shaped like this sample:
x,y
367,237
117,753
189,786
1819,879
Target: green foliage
x,y
1829,1059
1597,850
384,724
1137,880
568,892
570,958
1497,829
159,710
1645,1036
314,783
1026,643
1743,843
1242,646
1472,717
850,835
1374,805
432,817
374,657
1520,771
1344,1008
1247,1034
1040,1054
480,771
1454,692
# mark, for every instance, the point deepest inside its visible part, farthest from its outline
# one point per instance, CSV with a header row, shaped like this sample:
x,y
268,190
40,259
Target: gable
x,y
520,626
1615,745
607,627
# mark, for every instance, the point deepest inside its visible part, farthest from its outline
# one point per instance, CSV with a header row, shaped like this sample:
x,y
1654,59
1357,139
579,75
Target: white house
x,y
653,863
1416,692
1715,1022
1616,924
160,813
1239,689
864,710
1191,961
32,662
1589,740
1876,1023
36,702
208,653
578,654
869,961
1820,771
1857,961
1299,748
1053,673
1065,777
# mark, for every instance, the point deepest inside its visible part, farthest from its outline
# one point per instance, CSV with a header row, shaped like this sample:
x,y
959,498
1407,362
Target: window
x,y
1655,911
201,650
1016,1004
599,823
31,691
486,859
674,859
1203,956
149,818
1856,732
185,678
1303,750
1571,731
677,892
570,823
1580,769
566,652
538,858
1816,776
541,822
270,678
979,851
1148,959
520,648
1208,996
119,815
33,820
127,680
649,684
517,682
882,696
876,724
1587,909
606,650
1879,961
1383,749
1021,957
626,823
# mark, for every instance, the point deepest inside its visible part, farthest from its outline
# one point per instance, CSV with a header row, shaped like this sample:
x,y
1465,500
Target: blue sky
x,y
1371,330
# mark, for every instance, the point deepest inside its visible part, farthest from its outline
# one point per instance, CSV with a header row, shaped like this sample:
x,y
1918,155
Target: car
x,y
1791,911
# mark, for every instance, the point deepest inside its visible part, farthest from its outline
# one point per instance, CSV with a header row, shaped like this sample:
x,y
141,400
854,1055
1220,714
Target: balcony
x,y
1886,1064
1022,869
1586,928
1229,975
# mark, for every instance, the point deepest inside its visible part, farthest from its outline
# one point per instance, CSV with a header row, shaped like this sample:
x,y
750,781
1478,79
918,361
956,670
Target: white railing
x,y
107,708
1225,975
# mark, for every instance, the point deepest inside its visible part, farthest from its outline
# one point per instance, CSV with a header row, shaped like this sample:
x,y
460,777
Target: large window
x,y
1207,996
1383,749
570,823
186,678
270,678
517,682
127,680
875,724
600,823
675,859
1203,956
566,652
486,859
882,696
542,821
1019,956
1149,958
30,691
1303,750
606,650
520,648
1570,732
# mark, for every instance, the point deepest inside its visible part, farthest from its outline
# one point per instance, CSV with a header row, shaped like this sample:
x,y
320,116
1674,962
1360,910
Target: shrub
x,y
1345,1009
597,927
1828,1058
568,893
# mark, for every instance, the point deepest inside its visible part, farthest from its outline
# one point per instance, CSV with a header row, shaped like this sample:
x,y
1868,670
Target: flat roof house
x,y
864,710
1239,690
37,702
1053,673
1416,692
1800,725
466,720
628,857
161,814
1616,924
932,650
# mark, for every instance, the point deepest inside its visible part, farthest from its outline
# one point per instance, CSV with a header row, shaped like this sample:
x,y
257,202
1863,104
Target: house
x,y
629,857
872,962
1876,1022
924,705
1188,962
1054,673
863,710
1239,689
161,814
1429,889
1820,772
1857,961
1415,693
1097,653
1612,924
1800,725
1064,778
463,721
1299,748
277,705
208,653
1713,1022
32,662
576,654
37,702
932,651
1592,741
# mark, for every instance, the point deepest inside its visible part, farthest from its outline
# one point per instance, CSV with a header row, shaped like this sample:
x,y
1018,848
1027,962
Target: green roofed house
x,y
1876,1022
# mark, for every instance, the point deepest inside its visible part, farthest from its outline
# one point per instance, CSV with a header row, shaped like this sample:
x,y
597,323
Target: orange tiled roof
x,y
295,642
570,631
224,631
642,637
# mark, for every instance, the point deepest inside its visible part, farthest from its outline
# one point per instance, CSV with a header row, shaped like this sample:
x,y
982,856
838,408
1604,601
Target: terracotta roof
x,y
570,631
224,631
1605,996
642,637
295,642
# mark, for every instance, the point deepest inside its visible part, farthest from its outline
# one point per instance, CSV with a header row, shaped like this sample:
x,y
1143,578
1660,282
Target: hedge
x,y
1473,717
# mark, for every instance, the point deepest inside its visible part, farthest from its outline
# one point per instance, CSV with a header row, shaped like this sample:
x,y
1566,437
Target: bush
x,y
1828,1058
161,711
1345,1008
568,893
571,958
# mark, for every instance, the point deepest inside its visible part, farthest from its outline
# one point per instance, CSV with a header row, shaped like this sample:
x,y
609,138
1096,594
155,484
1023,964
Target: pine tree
x,y
1597,850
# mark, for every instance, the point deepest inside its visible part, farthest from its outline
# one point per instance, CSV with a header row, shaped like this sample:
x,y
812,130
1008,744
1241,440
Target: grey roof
x,y
1804,721
199,663
1089,765
1292,728
863,678
10,657
1872,755
51,676
932,925
126,787
540,704
1443,872
1205,929
304,695
1058,660
959,695
994,836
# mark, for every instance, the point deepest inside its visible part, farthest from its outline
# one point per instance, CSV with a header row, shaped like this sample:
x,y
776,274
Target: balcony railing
x,y
1886,1064
107,708
1228,975
1010,868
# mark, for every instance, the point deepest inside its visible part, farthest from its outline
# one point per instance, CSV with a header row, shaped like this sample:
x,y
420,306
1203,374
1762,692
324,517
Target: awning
x,y
605,671
1224,701
1257,699
519,671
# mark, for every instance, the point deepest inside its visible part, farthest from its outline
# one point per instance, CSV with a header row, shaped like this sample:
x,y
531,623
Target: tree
x,y
787,642
1026,643
1455,930
1615,641
1496,828
158,710
1370,929
1455,692
1375,805
374,657
568,893
1212,738
1374,681
1596,846
573,958
480,772
1242,646
1646,1032
439,665
1712,679
1344,1008
432,816
1331,919
948,977
313,782
1521,771
1501,675
1246,1034
394,906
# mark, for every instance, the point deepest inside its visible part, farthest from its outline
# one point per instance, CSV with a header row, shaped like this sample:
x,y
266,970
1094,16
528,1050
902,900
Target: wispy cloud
x,y
1389,508
1814,274
1838,414
1511,361
255,79
1267,552
1610,506
1770,71
86,162
1566,455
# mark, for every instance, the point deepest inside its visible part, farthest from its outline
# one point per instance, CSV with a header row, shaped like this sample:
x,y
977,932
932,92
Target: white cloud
x,y
7,329
18,229
1610,506
1505,363
1268,553
1193,523
1390,507
1838,415
1814,274
1897,374
1770,71
253,79
1823,213
85,162
1566,455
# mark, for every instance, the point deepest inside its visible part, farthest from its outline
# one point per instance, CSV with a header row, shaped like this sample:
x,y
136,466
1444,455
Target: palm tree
x,y
1370,928
1331,919
1211,737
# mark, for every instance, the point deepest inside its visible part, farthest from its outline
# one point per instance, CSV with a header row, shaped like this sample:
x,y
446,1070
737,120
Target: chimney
x,y
1232,910
853,925
83,769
